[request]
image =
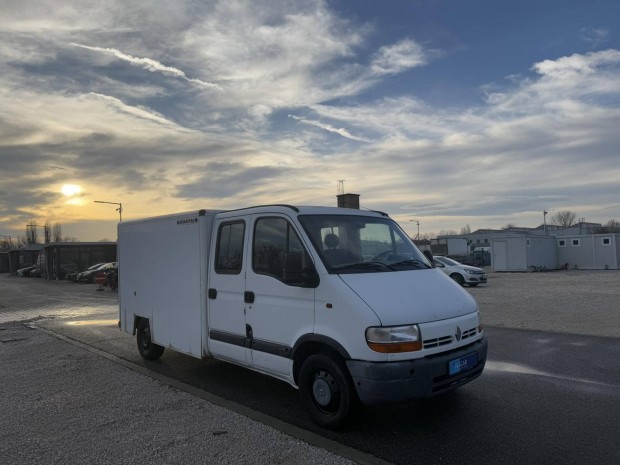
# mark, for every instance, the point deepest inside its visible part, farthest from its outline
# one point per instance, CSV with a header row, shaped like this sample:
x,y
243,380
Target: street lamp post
x,y
119,209
545,220
417,238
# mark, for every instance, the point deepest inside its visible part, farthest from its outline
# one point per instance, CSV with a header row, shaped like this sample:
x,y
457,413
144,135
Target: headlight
x,y
393,339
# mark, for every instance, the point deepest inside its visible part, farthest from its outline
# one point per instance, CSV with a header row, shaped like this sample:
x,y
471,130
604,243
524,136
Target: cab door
x,y
226,287
279,305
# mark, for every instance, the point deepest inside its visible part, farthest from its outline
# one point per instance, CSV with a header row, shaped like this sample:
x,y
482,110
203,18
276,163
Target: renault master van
x,y
339,303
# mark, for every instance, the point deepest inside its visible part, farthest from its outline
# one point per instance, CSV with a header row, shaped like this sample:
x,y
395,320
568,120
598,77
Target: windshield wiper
x,y
363,266
411,261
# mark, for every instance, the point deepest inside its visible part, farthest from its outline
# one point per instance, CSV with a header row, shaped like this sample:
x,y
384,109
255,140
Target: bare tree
x,y
563,218
57,232
613,224
449,232
466,229
31,233
47,232
508,226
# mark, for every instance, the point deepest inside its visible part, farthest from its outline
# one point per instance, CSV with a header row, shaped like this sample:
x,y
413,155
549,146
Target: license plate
x,y
459,365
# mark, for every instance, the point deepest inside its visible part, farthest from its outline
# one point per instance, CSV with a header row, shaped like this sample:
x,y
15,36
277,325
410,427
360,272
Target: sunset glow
x,y
70,189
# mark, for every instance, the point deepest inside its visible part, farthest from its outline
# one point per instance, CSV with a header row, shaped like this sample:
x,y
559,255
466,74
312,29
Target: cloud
x,y
398,57
149,64
541,141
222,180
89,115
340,131
577,66
594,36
135,111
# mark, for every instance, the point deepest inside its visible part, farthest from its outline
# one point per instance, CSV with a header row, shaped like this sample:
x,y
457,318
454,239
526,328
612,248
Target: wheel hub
x,y
322,389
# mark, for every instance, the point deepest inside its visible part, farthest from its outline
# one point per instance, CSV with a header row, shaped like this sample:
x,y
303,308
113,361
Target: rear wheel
x,y
146,347
326,390
458,278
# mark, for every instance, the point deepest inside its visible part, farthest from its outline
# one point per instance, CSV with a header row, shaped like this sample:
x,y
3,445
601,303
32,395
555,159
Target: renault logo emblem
x,y
458,334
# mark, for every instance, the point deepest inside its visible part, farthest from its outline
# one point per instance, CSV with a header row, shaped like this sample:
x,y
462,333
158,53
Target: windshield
x,y
447,261
362,244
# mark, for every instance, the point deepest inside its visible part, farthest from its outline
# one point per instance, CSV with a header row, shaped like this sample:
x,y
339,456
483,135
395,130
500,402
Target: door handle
x,y
248,297
212,293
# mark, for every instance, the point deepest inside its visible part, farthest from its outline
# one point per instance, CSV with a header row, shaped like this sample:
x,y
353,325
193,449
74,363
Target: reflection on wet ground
x,y
27,299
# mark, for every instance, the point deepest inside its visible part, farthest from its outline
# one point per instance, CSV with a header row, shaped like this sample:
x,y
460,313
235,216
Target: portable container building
x,y
596,251
523,253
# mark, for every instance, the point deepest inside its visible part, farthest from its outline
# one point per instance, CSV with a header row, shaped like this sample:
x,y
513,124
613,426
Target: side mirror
x,y
295,274
310,277
429,255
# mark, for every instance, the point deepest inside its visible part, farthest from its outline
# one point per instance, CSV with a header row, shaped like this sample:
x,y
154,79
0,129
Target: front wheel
x,y
146,347
458,278
326,390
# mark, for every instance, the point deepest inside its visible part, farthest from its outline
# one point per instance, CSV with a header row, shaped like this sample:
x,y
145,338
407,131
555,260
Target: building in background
x,y
60,258
582,246
23,257
55,260
4,262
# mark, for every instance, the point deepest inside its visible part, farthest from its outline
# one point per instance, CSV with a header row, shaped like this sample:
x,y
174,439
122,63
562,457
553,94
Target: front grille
x,y
437,342
469,333
445,340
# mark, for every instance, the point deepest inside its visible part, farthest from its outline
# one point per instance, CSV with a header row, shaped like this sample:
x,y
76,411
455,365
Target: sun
x,y
70,189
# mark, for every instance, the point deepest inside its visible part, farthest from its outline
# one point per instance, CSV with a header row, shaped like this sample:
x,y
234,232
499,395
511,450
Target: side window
x,y
229,258
276,249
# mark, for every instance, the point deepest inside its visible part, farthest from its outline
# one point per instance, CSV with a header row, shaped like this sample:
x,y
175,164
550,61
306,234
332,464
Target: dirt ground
x,y
575,301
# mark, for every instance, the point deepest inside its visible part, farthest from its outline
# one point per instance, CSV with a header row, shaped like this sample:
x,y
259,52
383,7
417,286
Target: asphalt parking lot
x,y
576,301
52,413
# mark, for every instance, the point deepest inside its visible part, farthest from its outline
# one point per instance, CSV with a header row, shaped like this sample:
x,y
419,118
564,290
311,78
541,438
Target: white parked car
x,y
462,274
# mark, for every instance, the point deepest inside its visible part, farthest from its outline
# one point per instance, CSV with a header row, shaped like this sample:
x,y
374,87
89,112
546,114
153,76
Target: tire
x,y
146,347
326,390
458,278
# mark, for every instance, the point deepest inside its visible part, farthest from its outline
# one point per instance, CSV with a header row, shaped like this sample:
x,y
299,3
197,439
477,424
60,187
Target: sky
x,y
445,113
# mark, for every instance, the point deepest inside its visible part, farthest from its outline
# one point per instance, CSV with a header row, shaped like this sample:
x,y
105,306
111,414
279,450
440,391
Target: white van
x,y
337,302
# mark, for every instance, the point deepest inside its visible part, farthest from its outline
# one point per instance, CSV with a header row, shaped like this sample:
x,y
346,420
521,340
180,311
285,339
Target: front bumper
x,y
475,278
389,382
